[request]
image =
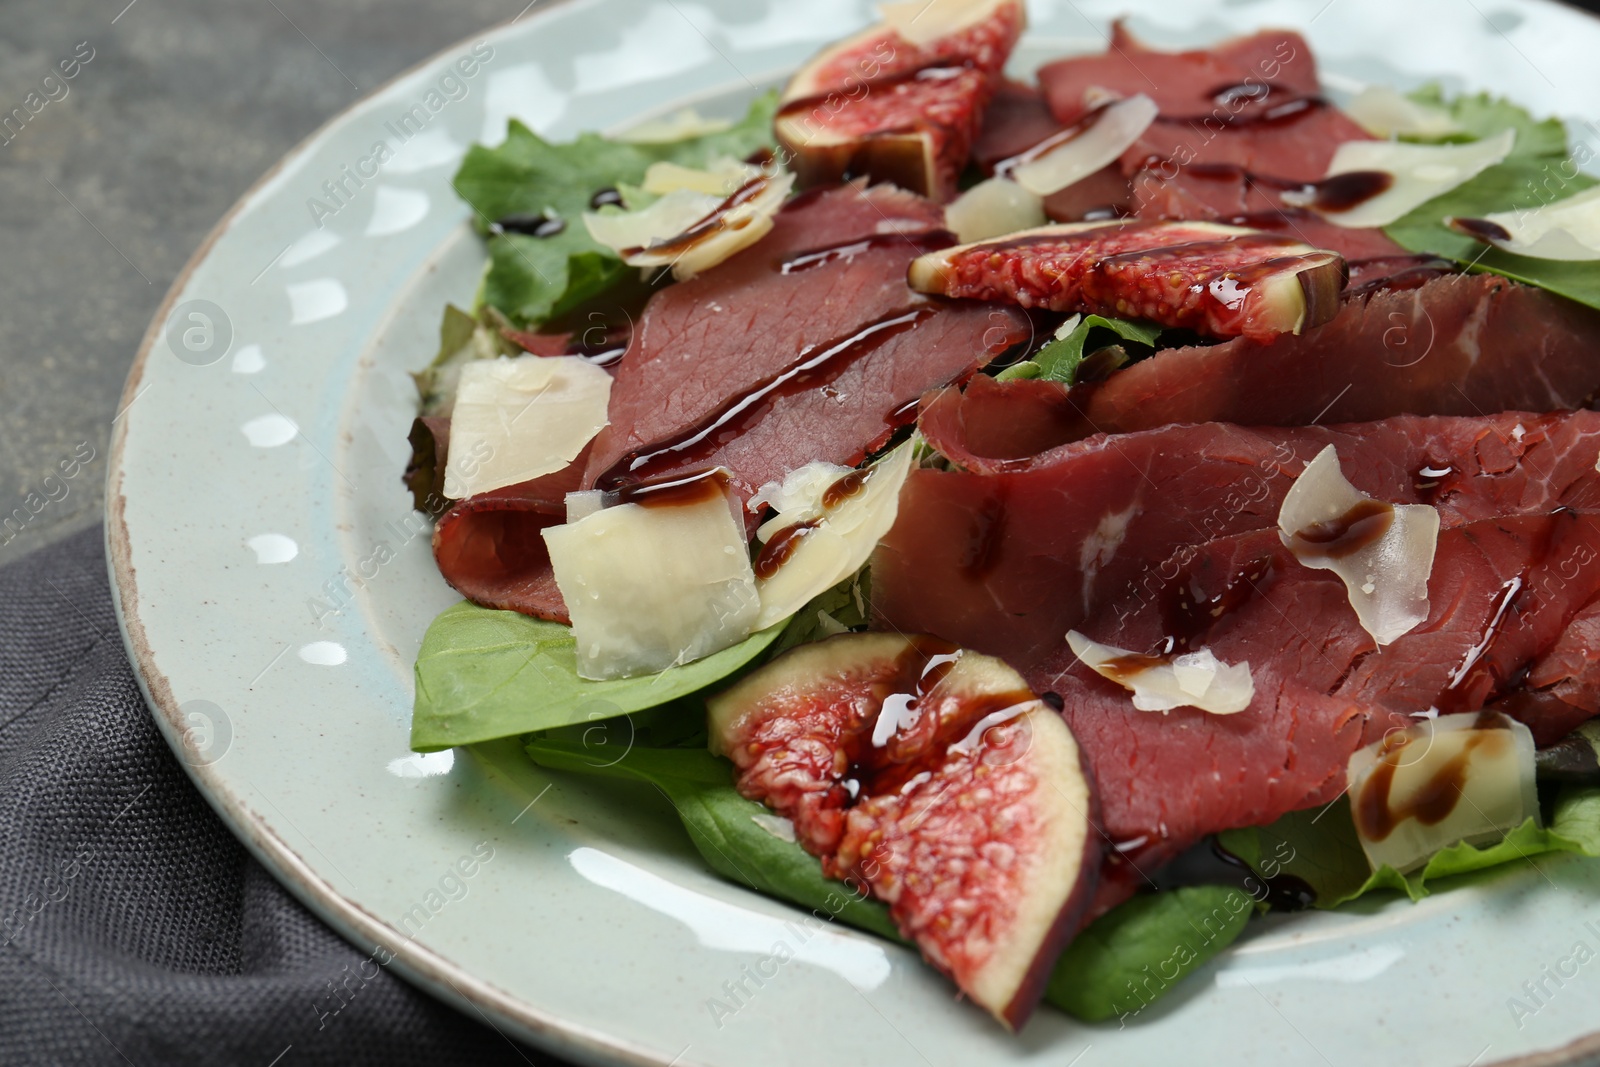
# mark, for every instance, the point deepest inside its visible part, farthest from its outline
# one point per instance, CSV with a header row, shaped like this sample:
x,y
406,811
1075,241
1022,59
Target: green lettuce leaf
x,y
484,674
534,279
1320,848
1133,954
1122,962
1539,171
1059,360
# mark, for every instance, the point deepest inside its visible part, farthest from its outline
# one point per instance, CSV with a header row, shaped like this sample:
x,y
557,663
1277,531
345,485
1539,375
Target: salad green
x,y
535,279
484,674
1120,963
1059,360
1324,853
1541,169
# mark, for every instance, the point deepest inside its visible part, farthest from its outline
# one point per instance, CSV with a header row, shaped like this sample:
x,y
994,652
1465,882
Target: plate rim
x,y
431,971
438,976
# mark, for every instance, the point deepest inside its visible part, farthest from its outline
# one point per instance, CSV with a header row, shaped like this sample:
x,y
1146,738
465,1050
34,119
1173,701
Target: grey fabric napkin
x,y
133,928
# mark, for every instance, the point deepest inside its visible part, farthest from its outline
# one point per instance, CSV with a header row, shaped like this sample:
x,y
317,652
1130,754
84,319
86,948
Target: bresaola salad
x,y
965,496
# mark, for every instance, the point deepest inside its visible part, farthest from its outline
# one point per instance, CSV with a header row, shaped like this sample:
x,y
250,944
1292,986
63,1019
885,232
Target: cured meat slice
x,y
1183,84
1017,119
1562,690
1455,345
806,346
1007,556
489,548
1321,688
1253,102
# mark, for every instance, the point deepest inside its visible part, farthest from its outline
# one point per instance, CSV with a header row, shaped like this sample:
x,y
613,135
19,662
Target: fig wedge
x,y
901,101
934,779
1220,281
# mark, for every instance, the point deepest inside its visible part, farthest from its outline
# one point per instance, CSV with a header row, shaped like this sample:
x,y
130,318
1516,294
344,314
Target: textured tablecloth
x,y
135,929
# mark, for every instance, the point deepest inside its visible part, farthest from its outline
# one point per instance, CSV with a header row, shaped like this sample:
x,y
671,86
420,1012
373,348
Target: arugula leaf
x,y
1539,171
483,674
1059,360
832,611
1136,952
724,826
1483,116
1323,850
533,279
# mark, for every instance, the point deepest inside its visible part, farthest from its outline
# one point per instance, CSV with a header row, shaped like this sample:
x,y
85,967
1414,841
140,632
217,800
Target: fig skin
x,y
871,105
972,816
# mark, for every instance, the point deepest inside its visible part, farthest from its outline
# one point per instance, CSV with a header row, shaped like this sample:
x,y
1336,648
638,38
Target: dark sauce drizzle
x,y
607,196
1087,122
927,241
1376,815
884,756
543,224
706,227
1480,229
776,552
1360,527
678,490
1341,192
1187,614
816,366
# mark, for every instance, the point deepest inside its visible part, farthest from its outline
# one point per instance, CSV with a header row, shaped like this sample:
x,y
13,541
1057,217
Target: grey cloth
x,y
133,927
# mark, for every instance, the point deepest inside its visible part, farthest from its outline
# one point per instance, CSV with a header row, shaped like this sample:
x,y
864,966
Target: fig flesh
x,y
1220,281
899,110
934,779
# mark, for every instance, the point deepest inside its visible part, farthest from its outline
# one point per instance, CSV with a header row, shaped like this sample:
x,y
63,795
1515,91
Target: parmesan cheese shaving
x,y
1382,552
1566,229
1447,779
652,587
1106,138
840,538
1386,112
1418,172
1160,683
688,228
993,208
517,419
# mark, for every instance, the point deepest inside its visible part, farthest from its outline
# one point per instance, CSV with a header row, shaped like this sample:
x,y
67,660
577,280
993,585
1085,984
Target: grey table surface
x,y
107,190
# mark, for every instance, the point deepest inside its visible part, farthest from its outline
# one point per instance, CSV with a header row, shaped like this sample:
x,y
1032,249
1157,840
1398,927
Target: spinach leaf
x,y
1323,850
1136,952
484,674
1120,963
1059,360
729,831
533,279
1539,171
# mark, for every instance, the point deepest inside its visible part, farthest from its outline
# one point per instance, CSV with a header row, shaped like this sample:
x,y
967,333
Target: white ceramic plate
x,y
274,587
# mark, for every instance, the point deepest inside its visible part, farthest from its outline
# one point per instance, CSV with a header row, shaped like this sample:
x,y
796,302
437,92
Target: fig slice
x,y
933,777
1220,281
902,100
